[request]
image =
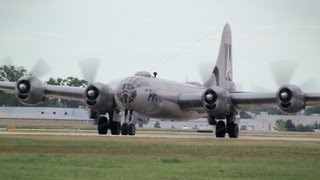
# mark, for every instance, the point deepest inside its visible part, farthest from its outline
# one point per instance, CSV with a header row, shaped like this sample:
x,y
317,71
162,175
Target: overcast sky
x,y
168,36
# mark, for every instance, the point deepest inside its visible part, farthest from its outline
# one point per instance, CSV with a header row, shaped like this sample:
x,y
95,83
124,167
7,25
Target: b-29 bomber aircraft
x,y
149,97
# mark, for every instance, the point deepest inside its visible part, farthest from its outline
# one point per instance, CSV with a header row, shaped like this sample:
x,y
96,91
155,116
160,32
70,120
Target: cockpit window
x,y
126,90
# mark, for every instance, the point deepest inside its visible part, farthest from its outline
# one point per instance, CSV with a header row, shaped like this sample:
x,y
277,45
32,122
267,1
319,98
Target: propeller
x,y
283,71
89,68
205,70
40,68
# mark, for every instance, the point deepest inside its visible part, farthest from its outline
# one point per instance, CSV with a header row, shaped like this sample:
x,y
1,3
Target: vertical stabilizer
x,y
222,74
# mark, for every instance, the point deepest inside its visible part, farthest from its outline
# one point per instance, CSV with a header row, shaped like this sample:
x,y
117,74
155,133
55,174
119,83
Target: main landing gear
x,y
104,124
231,126
114,124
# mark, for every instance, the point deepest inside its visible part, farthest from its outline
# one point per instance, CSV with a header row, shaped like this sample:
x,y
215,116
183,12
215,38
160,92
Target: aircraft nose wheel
x,y
124,129
128,129
131,129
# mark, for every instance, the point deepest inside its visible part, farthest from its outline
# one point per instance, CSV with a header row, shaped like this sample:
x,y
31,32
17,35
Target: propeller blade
x,y
89,68
41,68
205,70
283,71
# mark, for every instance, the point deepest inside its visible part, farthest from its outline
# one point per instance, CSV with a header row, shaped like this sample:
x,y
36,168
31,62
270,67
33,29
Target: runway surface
x,y
163,134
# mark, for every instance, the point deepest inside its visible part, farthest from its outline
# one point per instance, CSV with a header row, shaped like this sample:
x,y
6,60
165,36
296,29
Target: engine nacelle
x,y
30,90
291,98
217,102
99,97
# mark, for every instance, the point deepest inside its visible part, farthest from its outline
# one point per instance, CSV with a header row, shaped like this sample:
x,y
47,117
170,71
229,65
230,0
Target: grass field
x,y
84,157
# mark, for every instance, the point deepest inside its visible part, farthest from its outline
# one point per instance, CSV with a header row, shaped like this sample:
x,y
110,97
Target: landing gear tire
x,y
233,130
132,129
124,129
221,129
103,125
115,128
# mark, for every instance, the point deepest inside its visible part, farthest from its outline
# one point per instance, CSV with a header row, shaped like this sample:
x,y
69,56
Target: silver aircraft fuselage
x,y
156,98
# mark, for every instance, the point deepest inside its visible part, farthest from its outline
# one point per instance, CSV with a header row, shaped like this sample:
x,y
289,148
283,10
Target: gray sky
x,y
168,36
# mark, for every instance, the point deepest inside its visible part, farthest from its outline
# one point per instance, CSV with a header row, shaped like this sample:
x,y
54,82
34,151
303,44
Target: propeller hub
x,y
91,93
284,95
22,87
209,97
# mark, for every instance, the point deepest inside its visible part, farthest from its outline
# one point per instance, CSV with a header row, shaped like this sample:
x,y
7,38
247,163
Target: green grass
x,y
68,157
83,127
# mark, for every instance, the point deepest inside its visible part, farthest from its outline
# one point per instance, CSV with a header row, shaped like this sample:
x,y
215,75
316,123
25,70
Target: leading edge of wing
x,y
256,98
65,92
51,91
253,98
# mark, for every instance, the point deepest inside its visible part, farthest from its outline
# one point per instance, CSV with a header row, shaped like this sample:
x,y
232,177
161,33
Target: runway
x,y
315,137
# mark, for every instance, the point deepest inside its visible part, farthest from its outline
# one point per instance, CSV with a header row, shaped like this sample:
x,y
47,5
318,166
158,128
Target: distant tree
x,y
157,125
57,81
311,110
280,125
75,82
245,115
290,125
302,128
11,73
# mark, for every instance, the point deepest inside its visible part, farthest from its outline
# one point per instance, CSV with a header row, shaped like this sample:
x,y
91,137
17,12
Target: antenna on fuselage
x,y
155,74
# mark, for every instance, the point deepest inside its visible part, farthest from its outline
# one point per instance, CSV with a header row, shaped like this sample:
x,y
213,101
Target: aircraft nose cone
x,y
126,93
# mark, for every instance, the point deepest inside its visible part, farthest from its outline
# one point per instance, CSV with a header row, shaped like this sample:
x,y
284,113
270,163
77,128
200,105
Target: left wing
x,y
30,90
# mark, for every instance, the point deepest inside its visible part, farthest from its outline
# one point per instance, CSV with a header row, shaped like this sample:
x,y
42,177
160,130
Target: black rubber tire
x,y
221,129
124,129
103,125
115,128
233,130
132,129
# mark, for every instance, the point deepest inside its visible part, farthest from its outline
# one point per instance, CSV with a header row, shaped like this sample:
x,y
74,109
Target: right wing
x,y
219,102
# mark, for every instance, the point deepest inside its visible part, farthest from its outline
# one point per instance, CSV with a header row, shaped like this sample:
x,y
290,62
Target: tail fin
x,y
222,74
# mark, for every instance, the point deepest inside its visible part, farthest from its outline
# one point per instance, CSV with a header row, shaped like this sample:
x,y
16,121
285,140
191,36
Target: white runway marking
x,y
159,134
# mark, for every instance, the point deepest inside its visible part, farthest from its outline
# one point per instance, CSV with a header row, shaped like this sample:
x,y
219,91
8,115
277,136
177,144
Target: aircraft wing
x,y
29,90
65,92
254,98
219,102
51,91
8,87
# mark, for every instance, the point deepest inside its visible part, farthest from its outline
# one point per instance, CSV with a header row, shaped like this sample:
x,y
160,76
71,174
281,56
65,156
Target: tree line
x,y
288,125
13,73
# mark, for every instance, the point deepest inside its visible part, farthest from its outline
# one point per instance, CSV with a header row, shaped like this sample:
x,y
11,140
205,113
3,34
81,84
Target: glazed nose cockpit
x,y
126,91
